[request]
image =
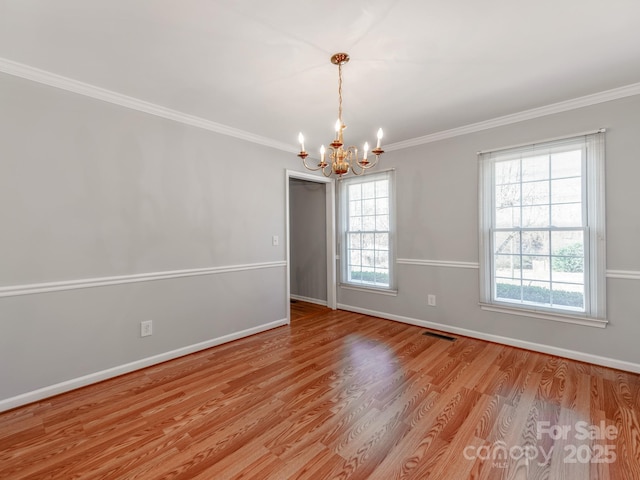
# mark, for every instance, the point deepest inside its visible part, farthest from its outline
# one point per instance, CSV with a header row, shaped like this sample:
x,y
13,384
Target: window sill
x,y
358,288
556,317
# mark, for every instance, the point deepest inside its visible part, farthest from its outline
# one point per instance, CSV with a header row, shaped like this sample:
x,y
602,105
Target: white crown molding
x,y
50,391
36,288
564,106
48,78
513,342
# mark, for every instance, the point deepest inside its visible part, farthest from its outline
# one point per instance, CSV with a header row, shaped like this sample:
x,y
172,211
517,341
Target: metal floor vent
x,y
439,335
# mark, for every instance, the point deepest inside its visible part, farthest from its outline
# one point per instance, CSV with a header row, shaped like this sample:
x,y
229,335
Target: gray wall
x,y
308,239
437,204
92,190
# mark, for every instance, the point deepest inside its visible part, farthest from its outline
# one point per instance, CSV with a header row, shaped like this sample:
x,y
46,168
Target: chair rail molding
x,y
35,288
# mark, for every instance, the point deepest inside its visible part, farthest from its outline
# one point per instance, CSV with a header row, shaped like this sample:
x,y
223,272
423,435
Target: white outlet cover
x,y
146,328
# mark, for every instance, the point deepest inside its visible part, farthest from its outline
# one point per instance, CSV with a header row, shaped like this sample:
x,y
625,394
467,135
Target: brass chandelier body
x,y
341,159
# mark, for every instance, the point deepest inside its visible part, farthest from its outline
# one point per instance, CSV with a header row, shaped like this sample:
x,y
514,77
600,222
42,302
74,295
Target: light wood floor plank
x,y
336,395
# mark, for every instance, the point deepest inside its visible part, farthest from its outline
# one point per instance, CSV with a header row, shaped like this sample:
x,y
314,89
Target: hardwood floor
x,y
337,395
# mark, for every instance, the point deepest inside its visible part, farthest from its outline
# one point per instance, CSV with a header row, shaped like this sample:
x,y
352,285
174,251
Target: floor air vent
x,y
440,336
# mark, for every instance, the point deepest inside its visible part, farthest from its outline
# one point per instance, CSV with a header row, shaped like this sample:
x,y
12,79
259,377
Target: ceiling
x,y
417,66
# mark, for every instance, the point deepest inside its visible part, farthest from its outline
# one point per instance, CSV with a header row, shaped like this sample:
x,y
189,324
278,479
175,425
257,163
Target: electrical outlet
x,y
146,328
431,300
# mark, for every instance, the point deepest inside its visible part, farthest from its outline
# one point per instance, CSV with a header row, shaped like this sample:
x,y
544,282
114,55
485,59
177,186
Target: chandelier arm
x,y
370,164
313,169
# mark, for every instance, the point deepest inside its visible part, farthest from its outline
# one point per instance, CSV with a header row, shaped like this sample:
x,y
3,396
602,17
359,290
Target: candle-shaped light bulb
x,y
366,149
379,137
301,140
338,125
322,153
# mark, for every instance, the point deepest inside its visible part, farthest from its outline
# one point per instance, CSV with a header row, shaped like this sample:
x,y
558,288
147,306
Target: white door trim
x,y
330,199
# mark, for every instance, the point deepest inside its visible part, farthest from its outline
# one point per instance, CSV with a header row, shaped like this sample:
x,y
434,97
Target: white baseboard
x,y
308,300
66,386
513,342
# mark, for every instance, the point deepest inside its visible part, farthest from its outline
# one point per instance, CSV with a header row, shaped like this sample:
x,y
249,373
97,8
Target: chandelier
x,y
341,159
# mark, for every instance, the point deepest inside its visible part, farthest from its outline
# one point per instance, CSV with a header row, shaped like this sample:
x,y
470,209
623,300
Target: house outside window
x,y
367,233
542,227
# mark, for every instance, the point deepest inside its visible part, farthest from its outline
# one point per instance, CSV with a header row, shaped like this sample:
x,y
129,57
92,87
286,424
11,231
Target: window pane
x,y
537,292
368,190
568,256
566,164
535,216
368,258
354,257
506,242
355,240
568,269
536,242
508,217
567,243
507,172
355,208
536,267
508,266
535,193
382,206
566,190
508,290
382,277
355,224
507,195
535,168
382,241
367,240
382,222
369,223
369,207
568,295
382,259
355,192
354,274
382,188
566,215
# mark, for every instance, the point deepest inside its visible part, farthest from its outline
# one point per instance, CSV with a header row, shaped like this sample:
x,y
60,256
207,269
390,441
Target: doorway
x,y
310,232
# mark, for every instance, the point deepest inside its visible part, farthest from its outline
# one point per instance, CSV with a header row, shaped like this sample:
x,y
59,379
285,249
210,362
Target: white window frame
x,y
593,226
343,215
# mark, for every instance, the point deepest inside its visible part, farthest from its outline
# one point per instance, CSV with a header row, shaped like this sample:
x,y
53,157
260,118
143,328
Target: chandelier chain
x,y
340,93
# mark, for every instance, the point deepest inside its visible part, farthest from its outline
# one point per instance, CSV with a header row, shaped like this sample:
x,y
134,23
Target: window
x,y
367,233
542,227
